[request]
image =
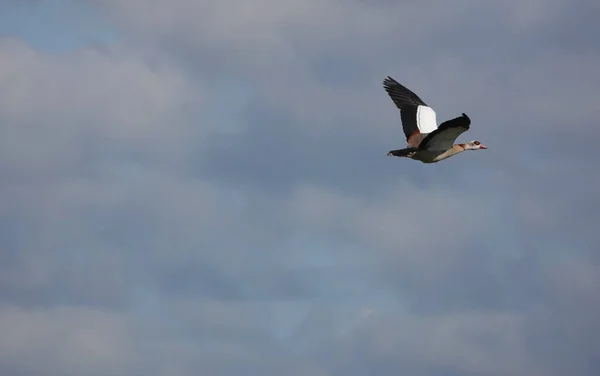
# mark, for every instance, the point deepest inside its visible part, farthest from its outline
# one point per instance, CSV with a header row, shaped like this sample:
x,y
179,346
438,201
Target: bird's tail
x,y
408,152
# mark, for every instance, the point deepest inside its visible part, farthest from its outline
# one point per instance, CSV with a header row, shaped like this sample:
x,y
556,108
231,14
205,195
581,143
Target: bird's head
x,y
475,145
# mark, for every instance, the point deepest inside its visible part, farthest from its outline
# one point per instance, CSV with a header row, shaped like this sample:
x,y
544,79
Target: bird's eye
x,y
477,142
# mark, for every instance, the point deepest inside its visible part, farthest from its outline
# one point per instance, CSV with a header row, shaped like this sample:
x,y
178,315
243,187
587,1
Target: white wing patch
x,y
426,119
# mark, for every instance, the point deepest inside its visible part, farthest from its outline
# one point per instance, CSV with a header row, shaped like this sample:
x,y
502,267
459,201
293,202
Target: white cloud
x,y
56,109
471,343
67,341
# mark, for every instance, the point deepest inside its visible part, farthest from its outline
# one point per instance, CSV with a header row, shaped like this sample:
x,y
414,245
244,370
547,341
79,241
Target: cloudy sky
x,y
202,188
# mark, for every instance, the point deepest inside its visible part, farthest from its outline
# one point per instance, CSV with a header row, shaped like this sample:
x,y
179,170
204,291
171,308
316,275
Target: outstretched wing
x,y
418,119
443,138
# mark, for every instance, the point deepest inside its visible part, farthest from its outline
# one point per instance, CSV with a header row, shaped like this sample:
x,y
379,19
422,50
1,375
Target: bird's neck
x,y
455,149
458,148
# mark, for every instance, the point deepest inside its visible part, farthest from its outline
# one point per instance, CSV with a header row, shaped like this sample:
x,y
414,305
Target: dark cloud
x,y
211,193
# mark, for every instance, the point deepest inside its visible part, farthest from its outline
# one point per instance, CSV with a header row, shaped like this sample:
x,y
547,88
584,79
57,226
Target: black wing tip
x,y
466,121
462,121
389,82
401,95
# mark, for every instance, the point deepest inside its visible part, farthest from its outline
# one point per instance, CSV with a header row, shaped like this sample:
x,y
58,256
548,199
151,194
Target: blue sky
x,y
203,187
56,25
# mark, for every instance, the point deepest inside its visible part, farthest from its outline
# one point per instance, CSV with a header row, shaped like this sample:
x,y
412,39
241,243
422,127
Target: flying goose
x,y
427,142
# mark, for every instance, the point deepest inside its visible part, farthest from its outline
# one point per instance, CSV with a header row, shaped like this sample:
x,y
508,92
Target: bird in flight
x,y
427,142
